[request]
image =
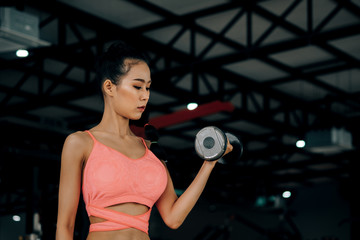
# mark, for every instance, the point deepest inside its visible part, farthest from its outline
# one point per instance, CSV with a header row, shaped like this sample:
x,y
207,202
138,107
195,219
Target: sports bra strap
x,y
92,136
144,142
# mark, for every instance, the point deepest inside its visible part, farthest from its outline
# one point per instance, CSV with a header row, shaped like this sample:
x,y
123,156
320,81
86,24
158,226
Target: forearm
x,y
185,203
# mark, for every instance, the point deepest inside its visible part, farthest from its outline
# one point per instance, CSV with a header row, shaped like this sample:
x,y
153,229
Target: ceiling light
x,y
16,218
286,194
300,143
192,106
22,53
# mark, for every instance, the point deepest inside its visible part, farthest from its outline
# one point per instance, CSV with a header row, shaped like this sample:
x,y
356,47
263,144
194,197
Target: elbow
x,y
174,224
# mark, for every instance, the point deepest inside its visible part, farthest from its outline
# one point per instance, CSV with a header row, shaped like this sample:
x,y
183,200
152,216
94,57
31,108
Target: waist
x,y
124,234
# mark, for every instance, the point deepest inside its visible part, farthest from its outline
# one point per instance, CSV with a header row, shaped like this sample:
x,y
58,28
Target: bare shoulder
x,y
78,138
78,143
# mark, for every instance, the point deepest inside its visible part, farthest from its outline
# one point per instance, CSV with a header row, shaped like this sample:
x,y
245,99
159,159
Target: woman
x,y
120,177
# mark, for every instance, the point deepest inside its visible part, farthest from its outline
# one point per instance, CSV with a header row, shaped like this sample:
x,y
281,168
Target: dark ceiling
x,y
288,67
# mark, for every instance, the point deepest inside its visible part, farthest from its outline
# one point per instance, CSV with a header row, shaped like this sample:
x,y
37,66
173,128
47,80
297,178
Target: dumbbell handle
x,y
229,147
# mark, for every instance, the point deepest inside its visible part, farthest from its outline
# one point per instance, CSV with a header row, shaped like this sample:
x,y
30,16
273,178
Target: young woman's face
x,y
133,91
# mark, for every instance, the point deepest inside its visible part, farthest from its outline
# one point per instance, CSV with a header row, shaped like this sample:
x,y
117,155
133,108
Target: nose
x,y
145,95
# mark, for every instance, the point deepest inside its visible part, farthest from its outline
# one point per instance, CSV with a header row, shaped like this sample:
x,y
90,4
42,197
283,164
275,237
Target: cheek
x,y
126,93
126,100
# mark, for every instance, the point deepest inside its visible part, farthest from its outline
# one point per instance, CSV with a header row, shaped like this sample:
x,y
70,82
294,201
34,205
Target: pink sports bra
x,y
111,178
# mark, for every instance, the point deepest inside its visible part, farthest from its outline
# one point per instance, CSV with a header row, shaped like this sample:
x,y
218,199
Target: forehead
x,y
139,68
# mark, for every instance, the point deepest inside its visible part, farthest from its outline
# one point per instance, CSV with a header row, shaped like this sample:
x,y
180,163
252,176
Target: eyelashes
x,y
138,88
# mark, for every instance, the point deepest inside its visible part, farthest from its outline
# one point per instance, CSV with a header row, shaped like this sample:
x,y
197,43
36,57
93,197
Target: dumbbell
x,y
211,143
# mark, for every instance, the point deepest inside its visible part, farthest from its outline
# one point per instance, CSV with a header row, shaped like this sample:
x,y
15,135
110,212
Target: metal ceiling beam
x,y
246,87
105,30
219,60
297,74
321,42
169,85
39,102
258,52
349,6
186,21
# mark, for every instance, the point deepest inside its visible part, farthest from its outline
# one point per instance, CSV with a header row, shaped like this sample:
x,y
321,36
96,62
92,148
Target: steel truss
x,y
257,102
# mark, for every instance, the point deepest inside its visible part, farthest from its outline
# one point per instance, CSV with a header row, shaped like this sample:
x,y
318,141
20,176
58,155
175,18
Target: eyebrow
x,y
142,80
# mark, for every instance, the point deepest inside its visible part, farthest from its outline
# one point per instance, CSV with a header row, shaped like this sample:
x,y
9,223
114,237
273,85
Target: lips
x,y
142,108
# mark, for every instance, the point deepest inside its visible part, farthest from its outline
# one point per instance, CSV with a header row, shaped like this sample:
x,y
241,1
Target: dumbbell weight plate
x,y
210,143
236,152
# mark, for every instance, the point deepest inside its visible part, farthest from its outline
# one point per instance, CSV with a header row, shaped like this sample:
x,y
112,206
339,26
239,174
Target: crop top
x,y
111,178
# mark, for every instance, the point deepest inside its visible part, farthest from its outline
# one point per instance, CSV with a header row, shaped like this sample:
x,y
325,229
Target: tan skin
x,y
122,103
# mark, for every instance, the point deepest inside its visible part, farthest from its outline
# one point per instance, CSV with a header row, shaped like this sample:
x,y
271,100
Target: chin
x,y
135,118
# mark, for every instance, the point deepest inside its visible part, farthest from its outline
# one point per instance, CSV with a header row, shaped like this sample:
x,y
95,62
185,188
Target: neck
x,y
113,123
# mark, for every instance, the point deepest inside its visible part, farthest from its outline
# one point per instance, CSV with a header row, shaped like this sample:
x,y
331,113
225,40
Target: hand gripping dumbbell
x,y
211,144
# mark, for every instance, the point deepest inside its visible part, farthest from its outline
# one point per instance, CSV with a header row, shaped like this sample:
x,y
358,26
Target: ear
x,y
108,87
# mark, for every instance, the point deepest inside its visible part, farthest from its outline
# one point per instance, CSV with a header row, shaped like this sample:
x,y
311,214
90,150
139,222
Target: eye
x,y
137,87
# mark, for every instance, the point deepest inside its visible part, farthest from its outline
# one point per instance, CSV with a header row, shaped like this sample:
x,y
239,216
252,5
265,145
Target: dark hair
x,y
112,63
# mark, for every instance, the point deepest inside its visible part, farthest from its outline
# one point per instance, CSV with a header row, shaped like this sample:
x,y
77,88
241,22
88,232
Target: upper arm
x,y
72,159
167,199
